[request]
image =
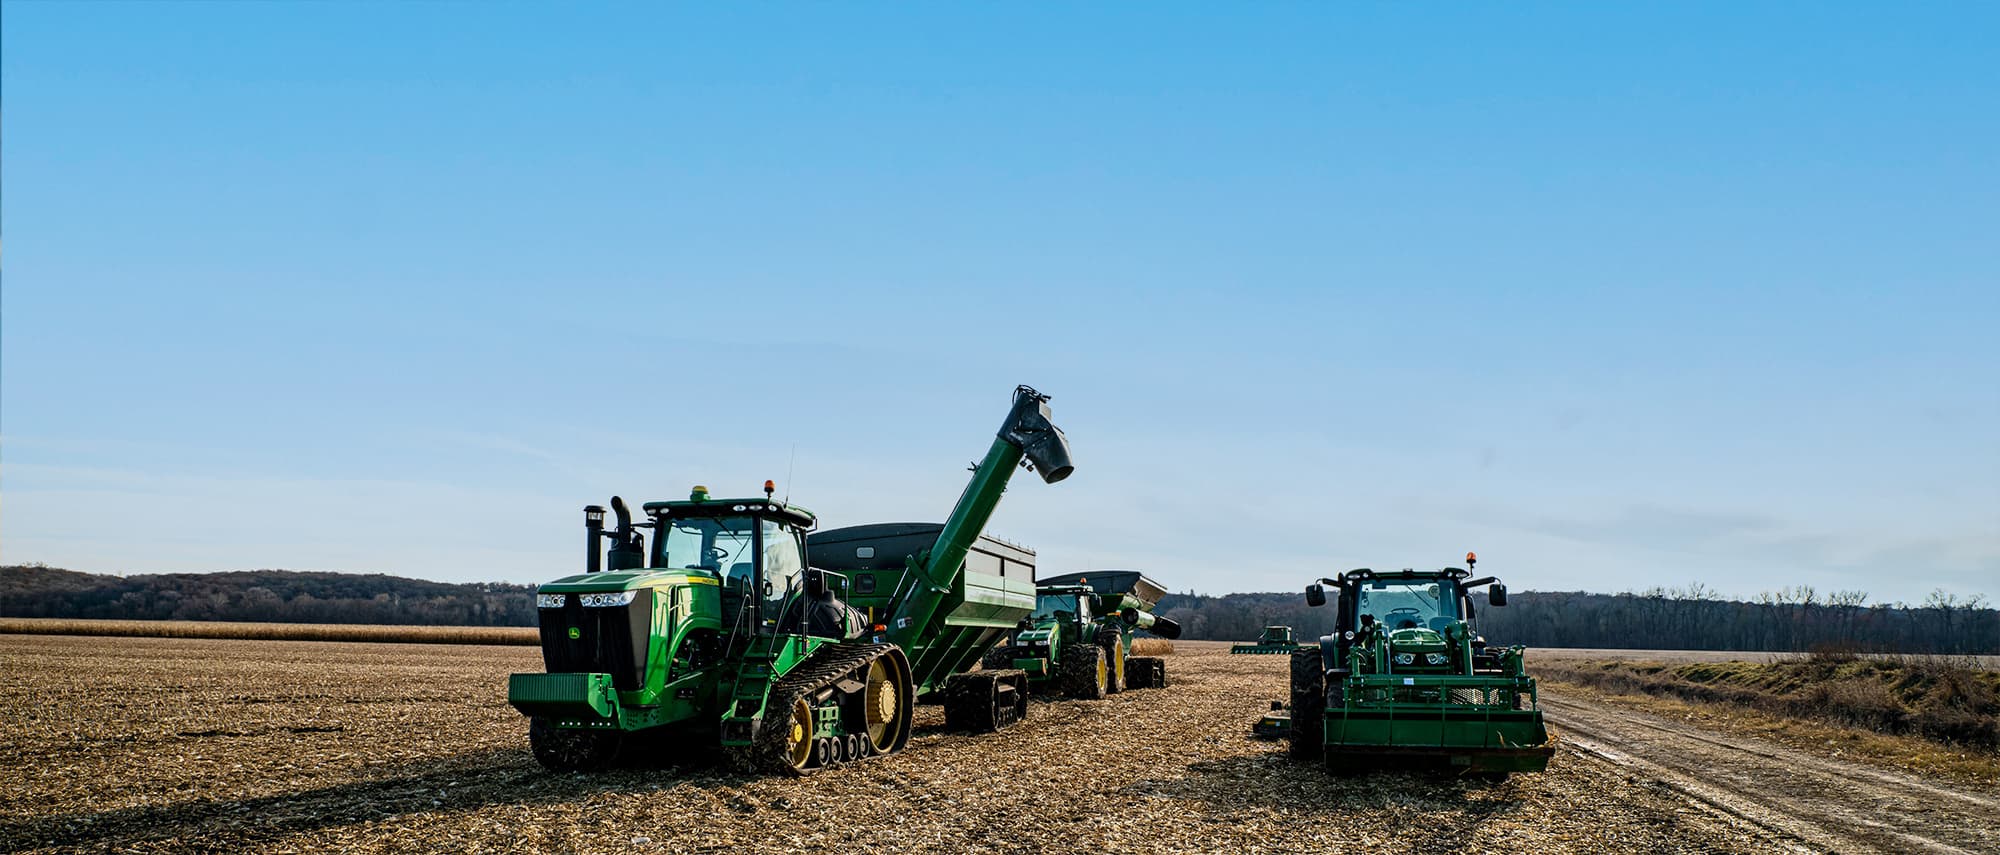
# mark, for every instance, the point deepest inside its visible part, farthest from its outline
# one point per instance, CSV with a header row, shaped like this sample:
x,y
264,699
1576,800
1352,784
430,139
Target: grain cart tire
x,y
1114,660
568,750
1084,672
1146,672
1308,705
969,702
998,657
985,701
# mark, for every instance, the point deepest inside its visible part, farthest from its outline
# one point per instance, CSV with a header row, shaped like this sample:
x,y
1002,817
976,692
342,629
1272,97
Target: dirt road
x,y
132,744
1815,803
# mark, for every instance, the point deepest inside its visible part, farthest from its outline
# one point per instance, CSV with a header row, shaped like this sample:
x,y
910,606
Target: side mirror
x,y
815,582
1497,595
1315,596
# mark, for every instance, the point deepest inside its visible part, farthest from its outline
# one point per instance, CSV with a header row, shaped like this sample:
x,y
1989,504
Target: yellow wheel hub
x,y
798,743
882,702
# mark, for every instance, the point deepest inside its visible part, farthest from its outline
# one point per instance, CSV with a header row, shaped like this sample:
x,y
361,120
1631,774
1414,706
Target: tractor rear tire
x,y
571,750
1114,661
1308,706
1084,672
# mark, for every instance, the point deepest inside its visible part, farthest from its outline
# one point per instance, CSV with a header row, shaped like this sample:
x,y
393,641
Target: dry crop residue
x,y
137,744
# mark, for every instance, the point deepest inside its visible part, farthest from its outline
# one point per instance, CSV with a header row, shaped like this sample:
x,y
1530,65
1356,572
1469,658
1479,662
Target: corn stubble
x,y
161,744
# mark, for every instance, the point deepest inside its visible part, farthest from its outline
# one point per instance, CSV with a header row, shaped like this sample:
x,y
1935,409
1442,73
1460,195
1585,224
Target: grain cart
x,y
724,635
1079,640
999,589
1276,639
1405,680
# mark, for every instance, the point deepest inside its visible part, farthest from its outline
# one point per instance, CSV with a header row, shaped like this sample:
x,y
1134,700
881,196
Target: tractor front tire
x,y
1308,706
1084,672
569,750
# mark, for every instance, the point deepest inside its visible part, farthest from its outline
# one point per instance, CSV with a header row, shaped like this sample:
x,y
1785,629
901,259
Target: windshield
x,y
1422,603
720,544
1054,606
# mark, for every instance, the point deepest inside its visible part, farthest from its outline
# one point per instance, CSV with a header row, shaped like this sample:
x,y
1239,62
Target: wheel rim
x,y
799,743
1103,671
882,703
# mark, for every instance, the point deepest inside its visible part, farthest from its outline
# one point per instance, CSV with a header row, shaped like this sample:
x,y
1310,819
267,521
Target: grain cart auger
x,y
1404,680
1079,640
724,634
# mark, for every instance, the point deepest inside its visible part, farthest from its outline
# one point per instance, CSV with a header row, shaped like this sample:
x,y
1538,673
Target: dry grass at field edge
x,y
1824,734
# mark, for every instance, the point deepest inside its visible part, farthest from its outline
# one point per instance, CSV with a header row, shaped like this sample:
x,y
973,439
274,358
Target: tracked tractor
x,y
725,632
1078,642
1406,680
1276,639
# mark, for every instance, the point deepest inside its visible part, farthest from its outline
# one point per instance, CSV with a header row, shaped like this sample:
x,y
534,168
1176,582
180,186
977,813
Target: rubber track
x,y
766,753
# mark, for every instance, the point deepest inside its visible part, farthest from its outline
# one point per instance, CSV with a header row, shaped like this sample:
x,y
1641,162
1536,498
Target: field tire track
x,y
1827,805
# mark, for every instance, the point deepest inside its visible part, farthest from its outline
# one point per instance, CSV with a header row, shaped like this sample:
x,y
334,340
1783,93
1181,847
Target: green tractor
x,y
1276,639
1079,640
727,634
1405,680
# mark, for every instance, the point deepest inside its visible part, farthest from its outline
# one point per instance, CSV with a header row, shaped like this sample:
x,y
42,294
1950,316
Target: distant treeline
x,y
280,596
1796,619
1694,618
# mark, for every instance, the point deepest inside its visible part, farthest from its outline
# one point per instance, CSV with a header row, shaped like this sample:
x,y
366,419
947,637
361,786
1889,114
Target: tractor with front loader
x,y
1405,680
1078,642
727,633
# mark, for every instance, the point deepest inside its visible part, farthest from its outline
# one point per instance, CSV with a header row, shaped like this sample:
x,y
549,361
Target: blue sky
x,y
1617,295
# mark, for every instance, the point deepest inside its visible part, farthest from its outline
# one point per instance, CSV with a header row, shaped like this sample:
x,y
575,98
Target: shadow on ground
x,y
463,783
1274,781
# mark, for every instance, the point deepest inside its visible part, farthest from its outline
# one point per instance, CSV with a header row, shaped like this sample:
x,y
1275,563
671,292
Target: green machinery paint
x,y
1079,640
1405,680
1276,639
724,635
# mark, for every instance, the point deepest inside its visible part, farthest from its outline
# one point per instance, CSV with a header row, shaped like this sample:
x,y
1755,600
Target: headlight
x,y
1406,658
599,601
550,601
1434,658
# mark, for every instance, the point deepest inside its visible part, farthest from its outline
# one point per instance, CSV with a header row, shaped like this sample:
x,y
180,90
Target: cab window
x,y
1403,605
783,564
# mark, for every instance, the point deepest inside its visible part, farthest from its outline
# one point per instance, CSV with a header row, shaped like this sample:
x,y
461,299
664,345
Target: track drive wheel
x,y
569,750
870,685
1308,705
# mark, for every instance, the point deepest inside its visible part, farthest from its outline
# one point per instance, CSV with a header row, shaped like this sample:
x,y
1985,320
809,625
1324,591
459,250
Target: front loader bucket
x,y
1472,724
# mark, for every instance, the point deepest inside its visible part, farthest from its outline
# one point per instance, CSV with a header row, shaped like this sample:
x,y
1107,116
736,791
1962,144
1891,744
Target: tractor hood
x,y
1416,640
625,580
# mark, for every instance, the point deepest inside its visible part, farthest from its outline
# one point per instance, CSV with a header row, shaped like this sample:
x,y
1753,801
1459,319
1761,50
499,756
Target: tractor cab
x,y
755,550
1064,604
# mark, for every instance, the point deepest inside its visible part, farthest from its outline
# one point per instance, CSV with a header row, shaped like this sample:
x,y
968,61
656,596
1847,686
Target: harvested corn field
x,y
146,744
400,634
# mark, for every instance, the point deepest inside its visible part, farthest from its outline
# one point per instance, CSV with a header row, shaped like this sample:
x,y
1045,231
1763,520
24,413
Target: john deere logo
x,y
575,633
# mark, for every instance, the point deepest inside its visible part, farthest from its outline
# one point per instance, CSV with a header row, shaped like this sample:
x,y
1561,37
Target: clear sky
x,y
1618,295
